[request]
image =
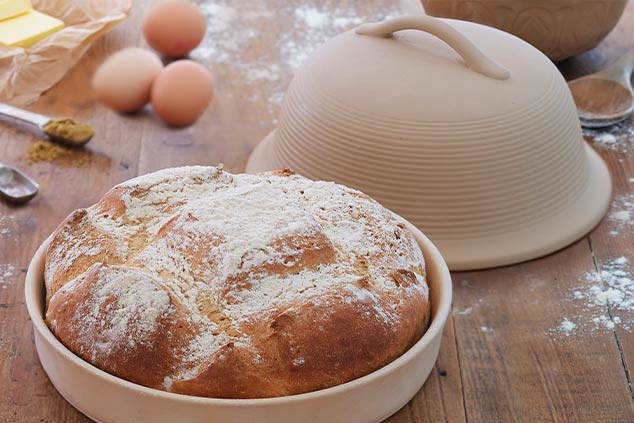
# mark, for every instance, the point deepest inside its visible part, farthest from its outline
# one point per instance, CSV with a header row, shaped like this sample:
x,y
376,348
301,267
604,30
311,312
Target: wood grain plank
x,y
440,399
611,241
500,352
26,394
608,240
514,366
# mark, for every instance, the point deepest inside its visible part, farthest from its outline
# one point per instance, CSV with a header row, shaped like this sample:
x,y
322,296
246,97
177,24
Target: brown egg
x,y
174,27
182,92
124,81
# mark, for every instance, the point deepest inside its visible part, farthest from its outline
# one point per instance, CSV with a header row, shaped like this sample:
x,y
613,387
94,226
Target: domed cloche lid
x,y
417,68
466,131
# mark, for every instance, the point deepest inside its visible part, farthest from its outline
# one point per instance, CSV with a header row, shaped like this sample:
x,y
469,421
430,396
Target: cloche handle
x,y
474,57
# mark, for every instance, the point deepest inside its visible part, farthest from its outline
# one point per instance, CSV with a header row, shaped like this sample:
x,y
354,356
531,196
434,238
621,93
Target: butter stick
x,y
27,29
13,8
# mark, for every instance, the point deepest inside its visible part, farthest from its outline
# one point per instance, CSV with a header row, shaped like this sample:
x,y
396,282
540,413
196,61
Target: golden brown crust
x,y
78,226
143,358
199,282
297,355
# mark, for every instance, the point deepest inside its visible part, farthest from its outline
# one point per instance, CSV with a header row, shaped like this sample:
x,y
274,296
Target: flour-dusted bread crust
x,y
196,281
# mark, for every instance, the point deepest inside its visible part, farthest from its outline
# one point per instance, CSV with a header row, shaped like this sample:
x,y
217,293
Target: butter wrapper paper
x,y
26,73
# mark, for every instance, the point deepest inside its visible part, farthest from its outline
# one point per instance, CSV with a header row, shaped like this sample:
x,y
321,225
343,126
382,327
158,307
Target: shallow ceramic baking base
x,y
372,398
512,246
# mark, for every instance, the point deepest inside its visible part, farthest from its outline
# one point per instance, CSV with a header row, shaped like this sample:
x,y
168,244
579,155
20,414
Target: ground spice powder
x,y
69,129
45,151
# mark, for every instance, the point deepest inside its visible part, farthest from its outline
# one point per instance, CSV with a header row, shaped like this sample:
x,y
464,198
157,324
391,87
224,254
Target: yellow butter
x,y
27,29
12,8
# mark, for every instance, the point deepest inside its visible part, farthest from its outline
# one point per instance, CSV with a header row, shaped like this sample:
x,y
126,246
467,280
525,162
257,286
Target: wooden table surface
x,y
504,357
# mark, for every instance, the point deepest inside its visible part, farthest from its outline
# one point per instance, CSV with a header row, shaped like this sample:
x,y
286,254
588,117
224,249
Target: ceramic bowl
x,y
466,131
371,398
559,28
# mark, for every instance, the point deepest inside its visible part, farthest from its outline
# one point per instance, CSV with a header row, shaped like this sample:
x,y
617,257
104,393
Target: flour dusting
x,y
7,225
7,274
233,44
606,299
621,215
618,137
464,312
566,327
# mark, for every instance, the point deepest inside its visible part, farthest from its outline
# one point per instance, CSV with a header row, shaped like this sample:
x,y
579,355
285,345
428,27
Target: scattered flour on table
x,y
7,274
621,215
6,224
566,327
264,45
606,299
465,312
315,24
619,137
606,140
8,239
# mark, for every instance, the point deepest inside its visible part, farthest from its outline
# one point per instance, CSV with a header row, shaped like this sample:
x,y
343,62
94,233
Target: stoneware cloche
x,y
468,132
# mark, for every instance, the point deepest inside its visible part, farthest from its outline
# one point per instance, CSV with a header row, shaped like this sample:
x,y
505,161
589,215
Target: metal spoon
x,y
15,186
36,122
605,98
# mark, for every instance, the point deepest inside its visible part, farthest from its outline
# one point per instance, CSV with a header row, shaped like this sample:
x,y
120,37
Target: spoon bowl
x,y
606,97
15,186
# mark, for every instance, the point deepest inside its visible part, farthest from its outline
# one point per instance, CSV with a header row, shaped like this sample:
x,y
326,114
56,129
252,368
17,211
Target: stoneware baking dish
x,y
559,28
466,131
371,398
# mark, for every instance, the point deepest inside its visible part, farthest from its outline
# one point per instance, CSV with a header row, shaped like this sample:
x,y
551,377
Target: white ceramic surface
x,y
372,398
470,133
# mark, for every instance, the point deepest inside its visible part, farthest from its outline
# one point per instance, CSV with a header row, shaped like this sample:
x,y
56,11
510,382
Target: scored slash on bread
x,y
196,281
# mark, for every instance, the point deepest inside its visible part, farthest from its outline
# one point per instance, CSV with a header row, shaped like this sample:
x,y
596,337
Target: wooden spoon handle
x,y
622,69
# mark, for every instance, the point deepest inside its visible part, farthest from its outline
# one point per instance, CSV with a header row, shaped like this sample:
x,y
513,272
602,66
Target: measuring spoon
x,y
35,121
15,186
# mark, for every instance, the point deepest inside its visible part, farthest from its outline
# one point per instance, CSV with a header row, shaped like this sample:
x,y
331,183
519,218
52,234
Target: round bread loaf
x,y
196,281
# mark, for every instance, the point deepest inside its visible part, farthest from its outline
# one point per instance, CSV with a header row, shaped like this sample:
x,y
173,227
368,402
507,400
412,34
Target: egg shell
x,y
182,92
174,27
124,81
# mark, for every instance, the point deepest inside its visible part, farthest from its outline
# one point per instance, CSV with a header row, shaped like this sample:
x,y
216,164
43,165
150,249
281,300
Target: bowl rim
x,y
440,312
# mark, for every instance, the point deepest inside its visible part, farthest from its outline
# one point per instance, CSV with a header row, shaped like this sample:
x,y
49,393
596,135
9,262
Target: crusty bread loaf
x,y
196,281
